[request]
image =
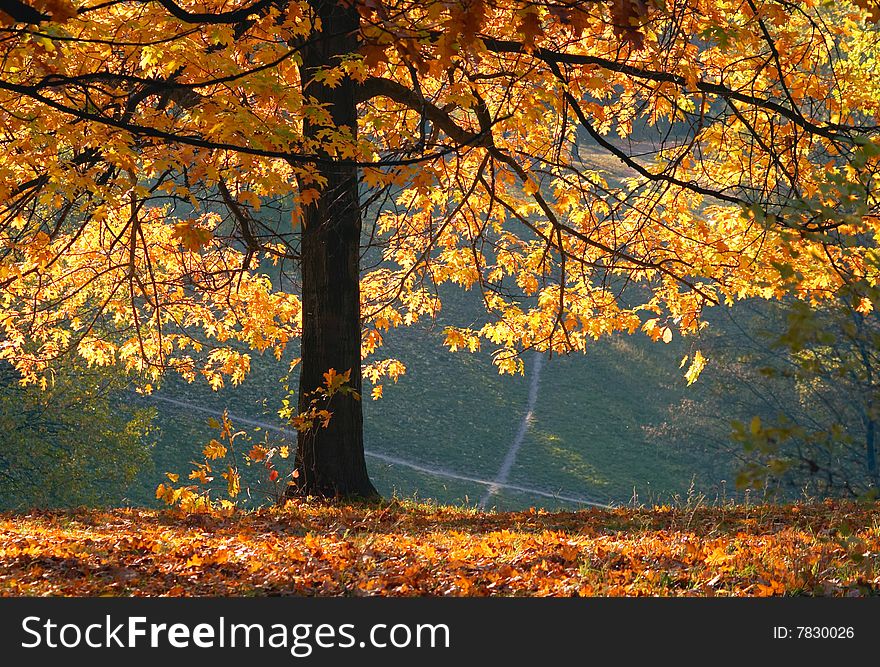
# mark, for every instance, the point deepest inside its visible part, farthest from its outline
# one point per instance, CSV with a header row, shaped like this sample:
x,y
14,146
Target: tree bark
x,y
330,461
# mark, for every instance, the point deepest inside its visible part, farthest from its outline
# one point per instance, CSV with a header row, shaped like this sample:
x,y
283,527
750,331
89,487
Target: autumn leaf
x,y
58,11
324,417
336,381
530,28
191,236
697,365
308,196
755,425
754,550
627,16
214,450
258,453
201,475
233,482
872,7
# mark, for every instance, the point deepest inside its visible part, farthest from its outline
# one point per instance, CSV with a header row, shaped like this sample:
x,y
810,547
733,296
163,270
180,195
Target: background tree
x,y
791,393
149,179
75,442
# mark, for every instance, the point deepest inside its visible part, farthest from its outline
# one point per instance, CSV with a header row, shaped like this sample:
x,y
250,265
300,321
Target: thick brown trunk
x,y
330,460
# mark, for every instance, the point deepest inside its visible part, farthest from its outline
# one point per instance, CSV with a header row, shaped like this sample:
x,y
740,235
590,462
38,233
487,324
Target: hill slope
x,y
443,431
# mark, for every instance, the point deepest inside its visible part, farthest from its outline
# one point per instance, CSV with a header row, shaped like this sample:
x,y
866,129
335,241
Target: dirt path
x,y
510,458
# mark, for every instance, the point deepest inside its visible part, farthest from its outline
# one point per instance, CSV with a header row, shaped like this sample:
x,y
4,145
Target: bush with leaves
x,y
75,442
792,392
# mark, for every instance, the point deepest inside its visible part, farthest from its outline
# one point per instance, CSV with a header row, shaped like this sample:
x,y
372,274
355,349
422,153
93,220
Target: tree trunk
x,y
330,460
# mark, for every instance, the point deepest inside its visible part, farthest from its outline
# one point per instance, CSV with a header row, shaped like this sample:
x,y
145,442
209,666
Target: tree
x,y
792,395
148,178
75,442
832,360
828,358
788,396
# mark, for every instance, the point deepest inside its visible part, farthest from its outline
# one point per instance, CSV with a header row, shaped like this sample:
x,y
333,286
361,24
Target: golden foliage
x,y
317,549
496,193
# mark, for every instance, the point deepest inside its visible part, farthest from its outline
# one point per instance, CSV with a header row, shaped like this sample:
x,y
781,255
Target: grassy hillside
x,y
409,549
453,414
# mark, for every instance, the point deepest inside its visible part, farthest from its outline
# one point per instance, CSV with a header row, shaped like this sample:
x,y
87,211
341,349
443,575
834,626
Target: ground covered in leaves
x,y
408,549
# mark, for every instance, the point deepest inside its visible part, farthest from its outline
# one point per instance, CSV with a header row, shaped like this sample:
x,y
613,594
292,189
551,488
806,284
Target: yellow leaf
x,y
201,475
191,236
214,450
335,381
373,177
233,482
251,198
696,367
324,416
755,426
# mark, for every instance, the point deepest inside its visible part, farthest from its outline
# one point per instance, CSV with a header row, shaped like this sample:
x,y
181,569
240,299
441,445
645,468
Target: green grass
x,y
587,434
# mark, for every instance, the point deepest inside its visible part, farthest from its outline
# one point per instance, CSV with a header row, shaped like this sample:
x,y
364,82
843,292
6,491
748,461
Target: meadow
x,y
452,414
